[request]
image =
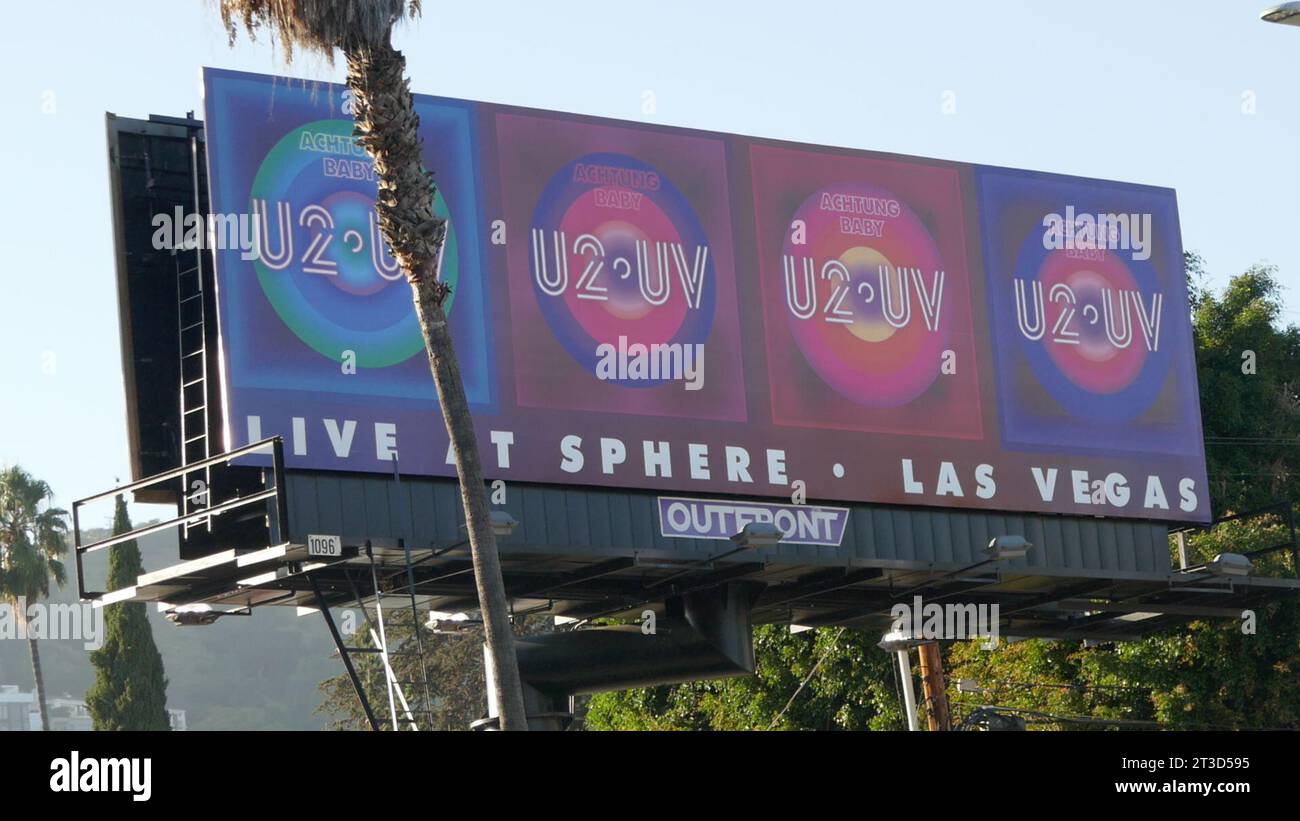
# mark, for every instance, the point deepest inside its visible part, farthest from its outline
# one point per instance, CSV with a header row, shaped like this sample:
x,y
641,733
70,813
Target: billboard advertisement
x,y
641,306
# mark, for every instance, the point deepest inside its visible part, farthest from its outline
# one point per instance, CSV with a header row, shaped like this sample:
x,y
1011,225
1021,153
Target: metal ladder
x,y
191,325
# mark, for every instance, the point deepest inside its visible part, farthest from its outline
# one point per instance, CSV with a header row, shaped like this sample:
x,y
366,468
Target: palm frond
x,y
33,536
319,26
58,571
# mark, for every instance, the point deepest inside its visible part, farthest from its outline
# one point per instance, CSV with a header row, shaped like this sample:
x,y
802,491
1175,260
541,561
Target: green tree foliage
x,y
853,688
130,689
454,665
1227,672
33,536
453,661
1248,365
1205,675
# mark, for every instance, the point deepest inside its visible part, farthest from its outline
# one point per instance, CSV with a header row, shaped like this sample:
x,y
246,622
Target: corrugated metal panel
x,y
577,521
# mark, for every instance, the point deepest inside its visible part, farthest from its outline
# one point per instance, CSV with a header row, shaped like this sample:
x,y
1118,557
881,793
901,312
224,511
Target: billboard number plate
x,y
327,546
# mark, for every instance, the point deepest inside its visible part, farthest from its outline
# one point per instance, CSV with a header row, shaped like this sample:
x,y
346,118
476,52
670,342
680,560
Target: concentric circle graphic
x,y
888,255
324,266
646,234
1093,355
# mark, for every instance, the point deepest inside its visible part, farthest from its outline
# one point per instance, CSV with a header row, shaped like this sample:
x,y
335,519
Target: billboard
x,y
650,307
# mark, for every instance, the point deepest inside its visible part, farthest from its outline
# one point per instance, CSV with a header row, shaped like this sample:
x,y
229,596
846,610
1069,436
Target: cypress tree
x,y
130,690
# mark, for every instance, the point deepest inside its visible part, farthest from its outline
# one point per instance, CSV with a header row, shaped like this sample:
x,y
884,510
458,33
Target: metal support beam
x,y
823,583
343,654
543,589
603,609
1083,605
1034,603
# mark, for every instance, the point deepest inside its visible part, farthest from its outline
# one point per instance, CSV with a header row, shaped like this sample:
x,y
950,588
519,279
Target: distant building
x,y
67,714
18,712
16,708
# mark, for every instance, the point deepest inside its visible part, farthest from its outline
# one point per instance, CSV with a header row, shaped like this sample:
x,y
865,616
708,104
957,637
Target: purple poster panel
x,y
1091,343
866,294
622,247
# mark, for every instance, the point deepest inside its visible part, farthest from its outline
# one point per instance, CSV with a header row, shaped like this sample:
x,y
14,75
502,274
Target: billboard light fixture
x,y
503,524
1230,564
751,537
450,624
193,618
442,627
1010,546
758,534
198,615
1000,548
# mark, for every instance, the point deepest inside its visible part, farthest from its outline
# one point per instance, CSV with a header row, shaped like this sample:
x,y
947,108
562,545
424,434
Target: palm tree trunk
x,y
387,126
478,516
40,683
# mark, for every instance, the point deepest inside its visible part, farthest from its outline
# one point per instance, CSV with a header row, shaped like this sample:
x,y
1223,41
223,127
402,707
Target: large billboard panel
x,y
668,309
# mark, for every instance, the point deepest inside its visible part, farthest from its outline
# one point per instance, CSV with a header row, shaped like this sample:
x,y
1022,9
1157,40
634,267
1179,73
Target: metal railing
x,y
273,477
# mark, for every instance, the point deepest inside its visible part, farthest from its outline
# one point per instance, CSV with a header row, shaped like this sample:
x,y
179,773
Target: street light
x,y
899,642
1285,13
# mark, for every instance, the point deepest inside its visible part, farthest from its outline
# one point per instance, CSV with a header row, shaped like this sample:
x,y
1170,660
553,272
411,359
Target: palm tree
x,y
387,127
32,540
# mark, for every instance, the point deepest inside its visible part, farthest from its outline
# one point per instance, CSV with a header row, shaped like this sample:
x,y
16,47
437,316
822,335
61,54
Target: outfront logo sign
x,y
717,519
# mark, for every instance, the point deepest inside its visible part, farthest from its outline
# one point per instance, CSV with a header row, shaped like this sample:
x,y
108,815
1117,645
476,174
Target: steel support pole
x,y
909,696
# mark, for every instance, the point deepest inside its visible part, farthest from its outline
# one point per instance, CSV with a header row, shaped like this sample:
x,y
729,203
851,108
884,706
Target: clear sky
x,y
1205,100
